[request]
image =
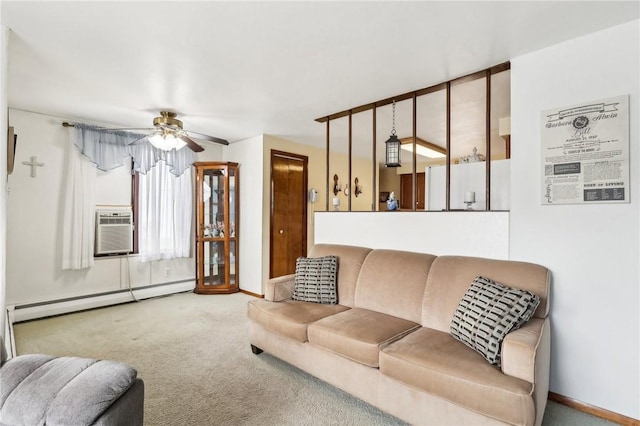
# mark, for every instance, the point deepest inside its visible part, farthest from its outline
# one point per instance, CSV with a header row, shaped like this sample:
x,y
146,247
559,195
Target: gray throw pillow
x,y
315,280
487,312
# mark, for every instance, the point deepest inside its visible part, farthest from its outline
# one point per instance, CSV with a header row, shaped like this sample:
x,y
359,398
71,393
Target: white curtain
x,y
107,148
79,220
165,203
165,213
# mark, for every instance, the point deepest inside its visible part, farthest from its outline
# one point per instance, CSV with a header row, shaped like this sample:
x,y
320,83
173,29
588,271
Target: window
x,y
163,212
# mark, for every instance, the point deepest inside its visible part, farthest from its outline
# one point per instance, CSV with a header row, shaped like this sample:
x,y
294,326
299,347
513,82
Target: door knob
x,y
282,231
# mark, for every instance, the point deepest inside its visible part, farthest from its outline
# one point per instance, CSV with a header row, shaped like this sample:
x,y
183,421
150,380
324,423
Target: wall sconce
x,y
392,145
358,188
336,185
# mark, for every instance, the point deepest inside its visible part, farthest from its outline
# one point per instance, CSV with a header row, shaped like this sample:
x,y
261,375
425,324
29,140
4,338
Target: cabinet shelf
x,y
217,210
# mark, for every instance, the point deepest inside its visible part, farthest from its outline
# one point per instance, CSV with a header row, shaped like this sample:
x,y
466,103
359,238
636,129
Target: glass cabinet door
x,y
216,233
213,202
233,212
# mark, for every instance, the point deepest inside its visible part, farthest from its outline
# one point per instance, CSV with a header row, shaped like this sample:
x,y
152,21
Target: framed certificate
x,y
585,153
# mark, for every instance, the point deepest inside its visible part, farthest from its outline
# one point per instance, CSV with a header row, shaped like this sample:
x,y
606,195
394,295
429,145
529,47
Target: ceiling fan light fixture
x,y
166,141
180,144
156,140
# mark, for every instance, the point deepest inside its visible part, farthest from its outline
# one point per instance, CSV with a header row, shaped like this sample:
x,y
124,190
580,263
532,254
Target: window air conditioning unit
x,y
114,232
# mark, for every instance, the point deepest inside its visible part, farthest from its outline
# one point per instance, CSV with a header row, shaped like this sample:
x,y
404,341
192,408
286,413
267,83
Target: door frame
x,y
305,183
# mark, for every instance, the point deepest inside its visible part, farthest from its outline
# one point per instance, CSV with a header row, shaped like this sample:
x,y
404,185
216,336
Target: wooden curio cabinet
x,y
217,213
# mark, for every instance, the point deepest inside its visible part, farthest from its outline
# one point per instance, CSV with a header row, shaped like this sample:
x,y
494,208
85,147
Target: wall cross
x,y
34,165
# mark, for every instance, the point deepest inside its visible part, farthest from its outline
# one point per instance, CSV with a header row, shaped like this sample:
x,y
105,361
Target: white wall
x,y
35,217
254,157
249,154
484,234
34,223
4,35
592,250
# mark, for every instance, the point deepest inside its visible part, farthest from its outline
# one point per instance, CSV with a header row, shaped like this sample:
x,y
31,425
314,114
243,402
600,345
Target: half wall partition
x,y
452,146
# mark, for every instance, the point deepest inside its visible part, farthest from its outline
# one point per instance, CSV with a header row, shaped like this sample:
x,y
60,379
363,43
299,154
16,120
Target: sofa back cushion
x,y
393,282
451,276
350,260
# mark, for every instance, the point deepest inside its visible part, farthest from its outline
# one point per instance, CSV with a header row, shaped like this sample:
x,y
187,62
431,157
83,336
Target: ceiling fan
x,y
168,134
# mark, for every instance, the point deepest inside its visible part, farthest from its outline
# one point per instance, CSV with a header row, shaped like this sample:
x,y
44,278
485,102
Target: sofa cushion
x,y
359,334
18,369
351,260
487,312
393,282
450,276
315,280
435,362
289,318
65,390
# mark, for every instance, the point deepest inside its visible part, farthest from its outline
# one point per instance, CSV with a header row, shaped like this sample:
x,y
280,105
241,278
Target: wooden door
x,y
288,229
421,192
406,188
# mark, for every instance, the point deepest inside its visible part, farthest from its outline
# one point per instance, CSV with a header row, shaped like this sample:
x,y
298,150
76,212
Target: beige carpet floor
x,y
193,353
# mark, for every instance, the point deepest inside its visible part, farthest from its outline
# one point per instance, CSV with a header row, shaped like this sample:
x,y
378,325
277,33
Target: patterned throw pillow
x,y
487,312
315,280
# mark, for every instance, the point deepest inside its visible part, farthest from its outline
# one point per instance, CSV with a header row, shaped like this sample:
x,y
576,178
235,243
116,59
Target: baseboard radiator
x,y
19,313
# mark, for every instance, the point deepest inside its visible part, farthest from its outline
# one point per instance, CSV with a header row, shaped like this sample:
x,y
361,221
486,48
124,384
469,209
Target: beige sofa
x,y
388,340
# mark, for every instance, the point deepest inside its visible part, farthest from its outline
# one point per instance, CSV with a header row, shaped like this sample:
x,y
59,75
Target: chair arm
x,y
526,351
279,288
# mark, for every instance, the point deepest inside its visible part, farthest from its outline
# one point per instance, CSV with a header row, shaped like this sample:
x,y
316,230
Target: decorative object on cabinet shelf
x,y
358,188
469,199
392,202
384,196
473,158
392,145
336,204
337,186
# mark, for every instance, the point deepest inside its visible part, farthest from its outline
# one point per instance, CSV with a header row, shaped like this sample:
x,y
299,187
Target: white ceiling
x,y
240,69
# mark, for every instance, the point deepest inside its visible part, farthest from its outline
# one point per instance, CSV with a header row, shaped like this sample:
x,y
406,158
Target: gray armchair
x,y
41,389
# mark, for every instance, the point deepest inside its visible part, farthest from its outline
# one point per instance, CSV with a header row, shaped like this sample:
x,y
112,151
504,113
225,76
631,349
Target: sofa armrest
x,y
526,351
279,288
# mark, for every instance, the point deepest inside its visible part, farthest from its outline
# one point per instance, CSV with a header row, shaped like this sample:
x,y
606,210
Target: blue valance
x,y
107,148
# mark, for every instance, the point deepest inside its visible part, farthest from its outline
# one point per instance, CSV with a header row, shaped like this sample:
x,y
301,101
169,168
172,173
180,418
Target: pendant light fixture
x,y
392,145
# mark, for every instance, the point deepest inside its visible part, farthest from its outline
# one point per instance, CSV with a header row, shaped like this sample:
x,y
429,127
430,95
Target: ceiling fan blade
x,y
208,138
191,144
